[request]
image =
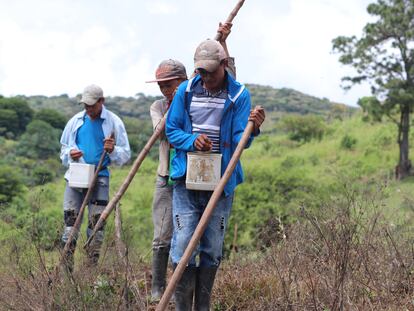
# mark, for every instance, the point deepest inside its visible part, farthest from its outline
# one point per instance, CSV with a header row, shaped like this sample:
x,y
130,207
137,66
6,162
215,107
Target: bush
x,y
348,142
304,128
42,175
40,141
51,116
15,115
11,184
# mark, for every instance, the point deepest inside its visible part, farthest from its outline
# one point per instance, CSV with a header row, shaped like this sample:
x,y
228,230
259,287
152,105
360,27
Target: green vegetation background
x,y
307,148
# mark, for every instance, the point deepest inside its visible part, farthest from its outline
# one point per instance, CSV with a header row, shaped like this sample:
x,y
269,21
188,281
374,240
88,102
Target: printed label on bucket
x,y
203,171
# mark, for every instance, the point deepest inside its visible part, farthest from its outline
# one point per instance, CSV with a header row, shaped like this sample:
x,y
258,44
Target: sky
x,y
54,47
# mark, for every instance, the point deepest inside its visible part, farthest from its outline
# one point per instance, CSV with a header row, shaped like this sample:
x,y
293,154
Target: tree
x,y
40,141
9,122
51,116
21,108
384,57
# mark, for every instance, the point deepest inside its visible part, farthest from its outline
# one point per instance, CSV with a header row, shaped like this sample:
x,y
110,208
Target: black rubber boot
x,y
184,291
204,285
159,271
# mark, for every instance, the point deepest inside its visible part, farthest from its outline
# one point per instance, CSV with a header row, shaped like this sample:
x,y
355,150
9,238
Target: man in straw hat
x,y
85,137
209,113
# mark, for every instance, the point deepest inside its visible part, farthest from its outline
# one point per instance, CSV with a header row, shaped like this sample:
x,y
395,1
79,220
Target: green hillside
x,y
319,187
274,100
281,175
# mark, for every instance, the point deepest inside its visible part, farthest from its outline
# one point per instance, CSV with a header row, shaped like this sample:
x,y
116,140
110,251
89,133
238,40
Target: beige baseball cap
x,y
91,94
209,55
169,69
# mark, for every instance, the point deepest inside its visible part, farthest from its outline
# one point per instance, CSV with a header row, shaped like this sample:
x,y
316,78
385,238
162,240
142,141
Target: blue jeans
x,y
188,207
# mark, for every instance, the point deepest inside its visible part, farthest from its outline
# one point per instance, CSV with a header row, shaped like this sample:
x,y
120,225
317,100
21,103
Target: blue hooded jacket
x,y
235,117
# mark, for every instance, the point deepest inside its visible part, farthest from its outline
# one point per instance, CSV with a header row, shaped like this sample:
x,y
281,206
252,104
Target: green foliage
x,y
42,174
348,142
22,111
339,112
384,57
139,131
51,116
372,108
11,184
304,128
40,141
9,123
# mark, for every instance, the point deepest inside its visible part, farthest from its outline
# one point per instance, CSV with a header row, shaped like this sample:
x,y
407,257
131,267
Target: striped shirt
x,y
206,111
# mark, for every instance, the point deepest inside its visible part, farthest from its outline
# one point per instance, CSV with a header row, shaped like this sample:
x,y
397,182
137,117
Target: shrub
x,y
348,142
11,183
42,175
40,141
304,128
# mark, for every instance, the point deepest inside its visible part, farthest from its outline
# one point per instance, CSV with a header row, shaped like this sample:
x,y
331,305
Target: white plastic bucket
x,y
203,171
80,175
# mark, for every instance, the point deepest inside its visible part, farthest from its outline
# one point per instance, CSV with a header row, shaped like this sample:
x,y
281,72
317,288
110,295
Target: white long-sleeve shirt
x,y
111,124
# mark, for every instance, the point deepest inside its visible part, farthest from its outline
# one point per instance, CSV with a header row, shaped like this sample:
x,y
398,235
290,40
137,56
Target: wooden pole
x,y
231,17
78,220
179,270
137,163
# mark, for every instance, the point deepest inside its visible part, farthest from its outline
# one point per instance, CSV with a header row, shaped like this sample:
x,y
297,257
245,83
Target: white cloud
x,y
66,45
161,7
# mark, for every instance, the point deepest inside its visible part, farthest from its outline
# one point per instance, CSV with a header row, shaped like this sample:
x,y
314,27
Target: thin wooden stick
x,y
201,227
137,163
230,17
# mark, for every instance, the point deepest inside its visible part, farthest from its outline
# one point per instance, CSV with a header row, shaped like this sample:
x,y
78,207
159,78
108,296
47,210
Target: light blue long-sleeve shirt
x,y
111,124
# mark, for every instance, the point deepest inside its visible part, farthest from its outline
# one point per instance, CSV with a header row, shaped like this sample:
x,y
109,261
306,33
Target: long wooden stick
x,y
201,227
79,218
137,163
230,17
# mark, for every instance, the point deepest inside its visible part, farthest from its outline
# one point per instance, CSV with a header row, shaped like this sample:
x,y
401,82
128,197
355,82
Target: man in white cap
x,y
169,75
209,114
85,137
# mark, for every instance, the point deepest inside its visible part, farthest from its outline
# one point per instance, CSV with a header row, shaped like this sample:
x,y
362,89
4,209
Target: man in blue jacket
x,y
209,113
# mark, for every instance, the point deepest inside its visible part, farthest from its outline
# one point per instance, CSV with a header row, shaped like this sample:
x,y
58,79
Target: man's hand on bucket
x,y
203,143
75,154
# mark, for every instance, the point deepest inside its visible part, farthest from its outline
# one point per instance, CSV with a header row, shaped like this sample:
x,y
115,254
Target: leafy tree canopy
x,y
40,141
23,111
51,116
384,57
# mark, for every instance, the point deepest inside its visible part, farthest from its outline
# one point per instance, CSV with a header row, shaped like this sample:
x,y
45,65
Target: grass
x,y
281,253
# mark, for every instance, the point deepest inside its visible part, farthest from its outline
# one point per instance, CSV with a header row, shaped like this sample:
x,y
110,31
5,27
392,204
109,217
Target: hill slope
x,y
274,100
